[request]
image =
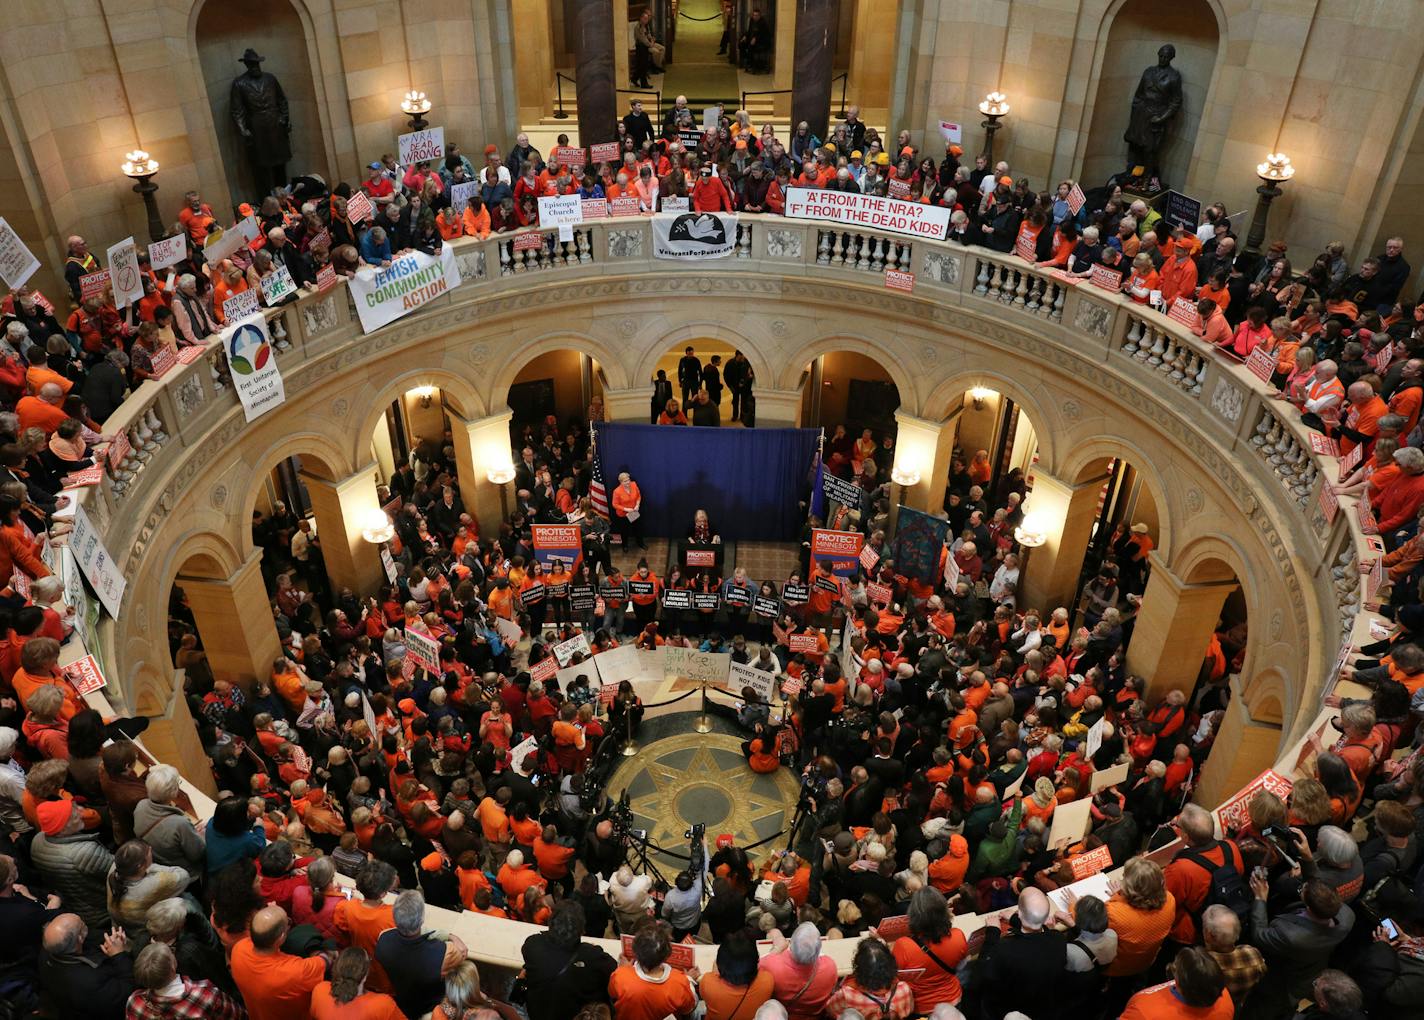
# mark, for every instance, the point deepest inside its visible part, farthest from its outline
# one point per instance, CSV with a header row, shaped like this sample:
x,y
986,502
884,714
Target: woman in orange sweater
x,y
1143,280
1141,913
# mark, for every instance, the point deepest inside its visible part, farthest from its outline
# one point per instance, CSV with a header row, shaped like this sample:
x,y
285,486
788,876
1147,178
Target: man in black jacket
x,y
638,124
285,253
689,376
662,393
712,379
104,387
1023,969
563,972
76,981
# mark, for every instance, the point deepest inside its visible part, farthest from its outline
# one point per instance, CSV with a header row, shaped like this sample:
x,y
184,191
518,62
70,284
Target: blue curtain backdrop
x,y
749,481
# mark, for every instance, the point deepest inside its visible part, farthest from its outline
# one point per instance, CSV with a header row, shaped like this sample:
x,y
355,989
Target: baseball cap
x,y
1006,181
406,705
882,158
725,840
54,815
741,143
373,166
707,170
856,154
956,150
431,861
908,150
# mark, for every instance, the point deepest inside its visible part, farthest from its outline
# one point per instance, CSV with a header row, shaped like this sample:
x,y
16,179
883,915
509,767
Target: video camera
x,y
621,815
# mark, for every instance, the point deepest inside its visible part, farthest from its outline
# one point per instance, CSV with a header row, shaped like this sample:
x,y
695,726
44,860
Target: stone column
x,y
342,509
480,445
533,60
1173,627
235,621
815,55
172,738
595,31
783,43
1245,747
924,447
777,409
1063,514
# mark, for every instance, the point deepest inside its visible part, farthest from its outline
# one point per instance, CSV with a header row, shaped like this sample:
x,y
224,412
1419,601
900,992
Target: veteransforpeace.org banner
x,y
413,279
254,366
872,211
690,236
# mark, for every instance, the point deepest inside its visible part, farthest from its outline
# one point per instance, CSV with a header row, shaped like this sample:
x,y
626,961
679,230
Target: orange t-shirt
x,y
472,880
638,998
1161,1003
367,1006
494,820
360,925
275,986
1406,402
1140,934
26,684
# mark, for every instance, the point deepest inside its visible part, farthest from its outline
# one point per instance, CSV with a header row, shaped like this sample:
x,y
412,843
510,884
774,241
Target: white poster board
x,y
255,374
1070,822
17,262
95,563
1104,778
124,273
422,146
759,680
700,667
869,211
412,280
618,664
167,252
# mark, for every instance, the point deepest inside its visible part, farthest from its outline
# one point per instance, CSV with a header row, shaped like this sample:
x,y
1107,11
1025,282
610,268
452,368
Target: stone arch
x,y
691,332
457,390
300,73
322,456
1268,695
796,361
937,404
614,370
1201,43
1082,458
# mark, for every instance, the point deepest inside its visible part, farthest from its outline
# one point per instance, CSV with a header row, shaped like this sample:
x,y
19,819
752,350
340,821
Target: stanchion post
x,y
630,746
704,721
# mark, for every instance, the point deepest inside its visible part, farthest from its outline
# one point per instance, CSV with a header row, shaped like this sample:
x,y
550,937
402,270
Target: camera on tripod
x,y
621,815
696,834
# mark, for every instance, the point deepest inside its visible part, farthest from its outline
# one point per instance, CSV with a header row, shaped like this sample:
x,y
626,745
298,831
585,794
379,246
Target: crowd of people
x,y
933,750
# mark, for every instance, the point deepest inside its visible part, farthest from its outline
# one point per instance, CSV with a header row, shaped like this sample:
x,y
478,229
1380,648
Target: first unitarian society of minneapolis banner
x,y
413,279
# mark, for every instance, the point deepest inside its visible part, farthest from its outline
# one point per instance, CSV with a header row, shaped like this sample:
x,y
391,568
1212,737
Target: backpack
x,y
1226,886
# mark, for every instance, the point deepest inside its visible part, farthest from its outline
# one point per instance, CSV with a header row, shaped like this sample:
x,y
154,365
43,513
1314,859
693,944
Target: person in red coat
x,y
709,194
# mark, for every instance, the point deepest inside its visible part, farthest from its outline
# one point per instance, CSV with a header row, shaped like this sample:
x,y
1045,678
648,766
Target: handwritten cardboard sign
x,y
422,146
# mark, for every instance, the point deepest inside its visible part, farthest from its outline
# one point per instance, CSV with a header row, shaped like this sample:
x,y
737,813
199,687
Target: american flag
x,y
597,494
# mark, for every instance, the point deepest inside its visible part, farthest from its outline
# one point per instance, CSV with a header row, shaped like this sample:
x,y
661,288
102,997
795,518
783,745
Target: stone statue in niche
x,y
259,112
1157,100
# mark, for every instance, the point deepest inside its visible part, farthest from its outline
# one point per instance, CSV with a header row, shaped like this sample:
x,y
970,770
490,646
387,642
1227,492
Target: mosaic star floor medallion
x,y
678,781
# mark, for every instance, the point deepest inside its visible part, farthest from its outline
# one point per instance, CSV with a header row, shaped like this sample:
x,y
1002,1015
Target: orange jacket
x,y
625,498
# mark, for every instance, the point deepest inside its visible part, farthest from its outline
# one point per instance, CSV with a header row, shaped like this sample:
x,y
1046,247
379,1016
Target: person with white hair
x,y
630,897
193,319
771,1009
415,959
805,978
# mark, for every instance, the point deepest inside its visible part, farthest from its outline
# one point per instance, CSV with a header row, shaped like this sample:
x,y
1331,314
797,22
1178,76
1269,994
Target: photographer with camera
x,y
682,906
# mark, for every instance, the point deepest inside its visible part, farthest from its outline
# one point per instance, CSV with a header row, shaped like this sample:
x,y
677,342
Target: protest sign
x,y
604,152
412,280
1092,862
868,558
83,478
1106,278
619,664
422,146
1351,460
422,647
803,643
594,209
1070,822
1076,199
1329,503
1262,364
1324,445
168,252
879,594
674,204
677,598
951,132
191,353
740,676
1026,244
119,448
95,563
1233,814
255,374
220,244
869,211
1184,310
1095,737
567,156
699,667
708,601
837,551
93,285
839,490
241,305
566,651
693,236
557,546
85,675
278,284
163,359
1110,776
795,594
358,207
1181,210
326,277
460,196
624,206
897,188
17,262
765,605
545,669
560,210
897,280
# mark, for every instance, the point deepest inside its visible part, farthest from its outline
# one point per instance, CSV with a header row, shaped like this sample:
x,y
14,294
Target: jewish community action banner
x,y
857,210
413,279
692,236
254,366
918,542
